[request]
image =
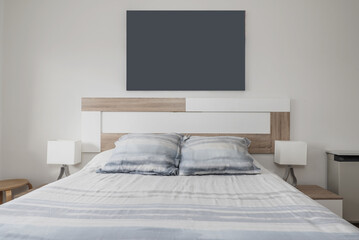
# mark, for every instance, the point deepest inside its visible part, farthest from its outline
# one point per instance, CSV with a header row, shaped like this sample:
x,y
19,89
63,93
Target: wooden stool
x,y
8,185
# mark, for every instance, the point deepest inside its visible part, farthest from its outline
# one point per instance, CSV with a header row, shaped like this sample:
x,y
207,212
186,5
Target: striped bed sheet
x,y
89,205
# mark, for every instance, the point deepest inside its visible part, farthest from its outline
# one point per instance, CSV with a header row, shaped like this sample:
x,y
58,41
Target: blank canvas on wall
x,y
185,50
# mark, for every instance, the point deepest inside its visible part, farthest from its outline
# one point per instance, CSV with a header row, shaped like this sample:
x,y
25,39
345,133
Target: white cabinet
x,y
343,179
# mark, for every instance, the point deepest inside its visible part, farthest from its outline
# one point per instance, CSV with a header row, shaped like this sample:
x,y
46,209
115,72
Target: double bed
x,y
92,205
89,205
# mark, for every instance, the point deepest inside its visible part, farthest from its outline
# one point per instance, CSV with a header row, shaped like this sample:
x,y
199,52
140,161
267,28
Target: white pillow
x,y
99,160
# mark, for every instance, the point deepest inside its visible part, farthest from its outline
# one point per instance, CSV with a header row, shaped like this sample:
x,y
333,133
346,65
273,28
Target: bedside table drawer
x,y
334,205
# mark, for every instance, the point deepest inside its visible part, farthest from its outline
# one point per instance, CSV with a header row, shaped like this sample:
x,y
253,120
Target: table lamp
x,y
64,152
290,153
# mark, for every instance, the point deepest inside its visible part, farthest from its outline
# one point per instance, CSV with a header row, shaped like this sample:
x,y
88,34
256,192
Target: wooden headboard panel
x,y
104,120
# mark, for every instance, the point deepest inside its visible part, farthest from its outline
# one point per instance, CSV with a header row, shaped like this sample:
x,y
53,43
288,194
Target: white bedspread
x,y
89,205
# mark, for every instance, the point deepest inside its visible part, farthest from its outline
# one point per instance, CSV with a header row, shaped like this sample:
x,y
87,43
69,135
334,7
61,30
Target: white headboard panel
x,y
91,125
185,122
261,120
237,105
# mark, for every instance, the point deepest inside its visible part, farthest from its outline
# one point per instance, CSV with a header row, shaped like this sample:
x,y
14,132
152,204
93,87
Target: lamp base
x,y
64,170
290,171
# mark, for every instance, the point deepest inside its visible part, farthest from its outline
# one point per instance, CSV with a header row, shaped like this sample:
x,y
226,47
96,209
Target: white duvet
x,y
90,205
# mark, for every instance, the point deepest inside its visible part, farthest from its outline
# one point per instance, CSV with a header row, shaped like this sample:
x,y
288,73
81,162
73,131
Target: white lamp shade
x,y
63,152
290,153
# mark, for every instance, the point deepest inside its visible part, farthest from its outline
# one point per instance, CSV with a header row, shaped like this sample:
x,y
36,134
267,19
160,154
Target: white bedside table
x,y
324,197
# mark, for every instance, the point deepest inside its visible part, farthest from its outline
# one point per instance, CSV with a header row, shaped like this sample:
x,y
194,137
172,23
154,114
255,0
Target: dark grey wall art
x,y
185,50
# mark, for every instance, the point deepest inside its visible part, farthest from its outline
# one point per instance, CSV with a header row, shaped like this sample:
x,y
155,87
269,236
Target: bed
x,y
90,205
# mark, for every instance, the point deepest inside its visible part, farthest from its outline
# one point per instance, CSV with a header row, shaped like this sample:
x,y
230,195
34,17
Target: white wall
x,y
56,52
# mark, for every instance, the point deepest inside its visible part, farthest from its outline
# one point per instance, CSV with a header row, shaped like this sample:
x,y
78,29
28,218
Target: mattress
x,y
89,205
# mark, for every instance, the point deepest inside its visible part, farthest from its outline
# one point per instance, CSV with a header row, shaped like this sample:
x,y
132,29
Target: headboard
x,y
104,120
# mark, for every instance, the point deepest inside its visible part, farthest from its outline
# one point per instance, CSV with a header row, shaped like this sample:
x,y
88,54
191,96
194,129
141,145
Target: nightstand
x,y
10,184
324,197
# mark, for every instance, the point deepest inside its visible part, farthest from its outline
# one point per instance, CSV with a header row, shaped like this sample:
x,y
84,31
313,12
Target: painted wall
x,y
56,52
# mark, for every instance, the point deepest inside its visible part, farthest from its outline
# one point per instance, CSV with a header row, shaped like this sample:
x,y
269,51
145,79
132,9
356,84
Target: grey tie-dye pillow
x,y
145,153
216,155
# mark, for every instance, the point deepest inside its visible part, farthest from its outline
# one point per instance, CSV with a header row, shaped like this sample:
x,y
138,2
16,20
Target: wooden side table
x,y
324,197
8,185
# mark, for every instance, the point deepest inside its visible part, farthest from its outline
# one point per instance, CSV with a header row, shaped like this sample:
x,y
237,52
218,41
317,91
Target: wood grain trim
x,y
280,127
134,104
108,140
